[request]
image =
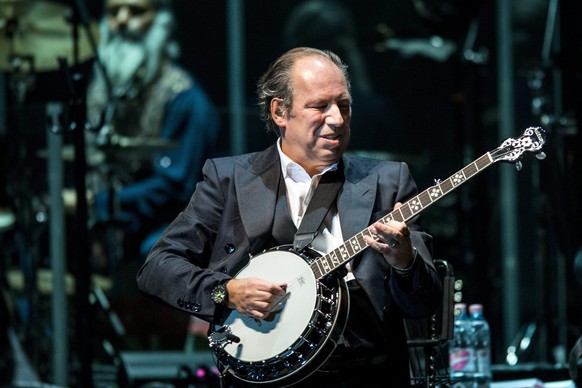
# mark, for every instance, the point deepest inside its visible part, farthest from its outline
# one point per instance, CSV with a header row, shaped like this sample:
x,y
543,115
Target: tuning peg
x,y
518,165
541,155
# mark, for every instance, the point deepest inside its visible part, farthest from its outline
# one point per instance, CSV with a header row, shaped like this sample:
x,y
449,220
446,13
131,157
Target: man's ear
x,y
277,111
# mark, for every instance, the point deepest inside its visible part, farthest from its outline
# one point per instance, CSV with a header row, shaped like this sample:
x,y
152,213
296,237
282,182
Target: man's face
x,y
316,130
130,16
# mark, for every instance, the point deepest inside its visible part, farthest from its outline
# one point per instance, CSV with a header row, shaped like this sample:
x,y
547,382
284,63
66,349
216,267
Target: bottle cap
x,y
460,309
476,308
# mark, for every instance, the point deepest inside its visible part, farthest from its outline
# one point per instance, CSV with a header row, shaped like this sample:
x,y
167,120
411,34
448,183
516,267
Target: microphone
x,y
222,336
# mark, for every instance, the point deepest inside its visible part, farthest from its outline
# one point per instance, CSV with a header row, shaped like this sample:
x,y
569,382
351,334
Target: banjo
x,y
303,329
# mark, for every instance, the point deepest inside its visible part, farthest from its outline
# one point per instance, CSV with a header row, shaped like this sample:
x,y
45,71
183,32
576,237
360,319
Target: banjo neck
x,y
510,150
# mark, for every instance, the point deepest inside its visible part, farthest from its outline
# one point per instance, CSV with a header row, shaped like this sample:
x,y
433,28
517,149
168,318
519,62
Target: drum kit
x,y
38,40
38,31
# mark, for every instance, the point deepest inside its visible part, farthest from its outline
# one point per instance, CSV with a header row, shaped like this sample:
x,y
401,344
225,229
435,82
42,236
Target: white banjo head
x,y
263,339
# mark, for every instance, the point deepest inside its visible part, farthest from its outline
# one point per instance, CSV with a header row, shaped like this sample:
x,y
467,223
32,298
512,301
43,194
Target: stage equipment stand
x,y
236,82
81,262
507,185
557,246
3,105
76,85
58,255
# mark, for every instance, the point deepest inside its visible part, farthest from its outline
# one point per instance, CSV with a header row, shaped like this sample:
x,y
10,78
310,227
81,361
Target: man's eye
x,y
134,10
113,11
137,10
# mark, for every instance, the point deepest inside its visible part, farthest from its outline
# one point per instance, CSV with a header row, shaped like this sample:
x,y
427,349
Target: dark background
x,y
440,117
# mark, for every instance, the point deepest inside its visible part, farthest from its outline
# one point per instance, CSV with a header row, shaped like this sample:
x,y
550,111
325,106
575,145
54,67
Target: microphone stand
x,y
82,263
105,139
79,124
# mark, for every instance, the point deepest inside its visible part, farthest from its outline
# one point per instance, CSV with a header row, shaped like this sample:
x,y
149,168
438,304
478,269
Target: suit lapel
x,y
356,201
283,227
355,206
256,186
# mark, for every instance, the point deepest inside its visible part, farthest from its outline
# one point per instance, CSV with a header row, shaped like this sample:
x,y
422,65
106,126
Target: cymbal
x,y
39,32
7,219
121,145
68,155
44,281
156,144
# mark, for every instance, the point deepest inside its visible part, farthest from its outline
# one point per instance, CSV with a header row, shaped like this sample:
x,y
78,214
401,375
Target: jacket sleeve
x,y
179,271
418,293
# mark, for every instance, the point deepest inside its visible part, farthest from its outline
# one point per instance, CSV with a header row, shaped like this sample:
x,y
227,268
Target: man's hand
x,y
393,241
254,297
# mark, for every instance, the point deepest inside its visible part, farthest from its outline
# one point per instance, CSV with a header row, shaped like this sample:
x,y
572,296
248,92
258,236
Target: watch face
x,y
218,294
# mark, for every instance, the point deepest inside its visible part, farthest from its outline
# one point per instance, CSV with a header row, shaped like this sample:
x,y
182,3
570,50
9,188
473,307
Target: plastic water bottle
x,y
461,364
481,339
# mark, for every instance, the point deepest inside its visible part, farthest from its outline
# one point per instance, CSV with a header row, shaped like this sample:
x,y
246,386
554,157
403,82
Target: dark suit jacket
x,y
231,215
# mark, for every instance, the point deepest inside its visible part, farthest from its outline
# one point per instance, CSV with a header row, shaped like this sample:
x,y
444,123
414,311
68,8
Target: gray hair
x,y
276,82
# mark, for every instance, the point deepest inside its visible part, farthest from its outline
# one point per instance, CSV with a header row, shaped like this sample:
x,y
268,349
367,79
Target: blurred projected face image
x,y
130,16
134,35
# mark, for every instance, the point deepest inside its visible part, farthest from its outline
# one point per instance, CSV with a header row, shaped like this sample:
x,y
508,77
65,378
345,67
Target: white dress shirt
x,y
300,188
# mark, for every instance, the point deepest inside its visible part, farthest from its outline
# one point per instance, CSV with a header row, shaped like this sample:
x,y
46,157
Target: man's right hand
x,y
254,297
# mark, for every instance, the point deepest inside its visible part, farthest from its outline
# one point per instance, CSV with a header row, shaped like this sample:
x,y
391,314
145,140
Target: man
x,y
244,202
152,119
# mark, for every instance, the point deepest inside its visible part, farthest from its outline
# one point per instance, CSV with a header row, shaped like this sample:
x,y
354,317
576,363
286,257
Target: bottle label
x,y
460,360
483,361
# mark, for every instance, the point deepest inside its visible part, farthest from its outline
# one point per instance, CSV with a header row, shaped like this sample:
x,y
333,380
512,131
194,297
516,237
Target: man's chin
x,y
331,156
122,60
131,36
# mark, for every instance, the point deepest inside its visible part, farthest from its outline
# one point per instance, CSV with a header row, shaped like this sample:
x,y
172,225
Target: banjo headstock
x,y
512,149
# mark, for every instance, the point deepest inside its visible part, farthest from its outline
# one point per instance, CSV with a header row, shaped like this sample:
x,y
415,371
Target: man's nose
x,y
334,116
122,16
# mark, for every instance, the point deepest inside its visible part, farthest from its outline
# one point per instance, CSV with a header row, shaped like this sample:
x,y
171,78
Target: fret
x,y
348,247
397,215
425,198
484,161
415,205
361,238
458,179
387,218
406,211
335,260
365,232
316,268
447,186
355,244
470,170
435,193
344,252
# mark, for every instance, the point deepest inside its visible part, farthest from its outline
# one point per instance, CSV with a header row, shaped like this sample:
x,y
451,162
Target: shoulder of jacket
x,y
370,164
255,161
